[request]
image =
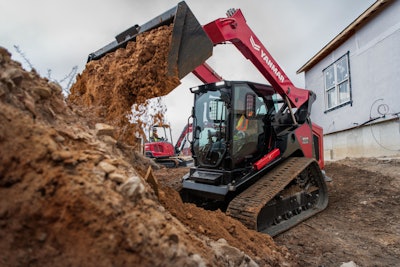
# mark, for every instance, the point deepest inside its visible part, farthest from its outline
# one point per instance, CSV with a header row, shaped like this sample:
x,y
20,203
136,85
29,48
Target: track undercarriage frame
x,y
287,195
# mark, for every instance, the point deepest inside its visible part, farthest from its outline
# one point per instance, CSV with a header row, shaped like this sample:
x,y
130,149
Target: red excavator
x,y
257,155
160,147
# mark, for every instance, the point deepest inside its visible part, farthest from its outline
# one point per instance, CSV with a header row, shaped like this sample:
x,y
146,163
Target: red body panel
x,y
261,163
319,133
160,149
304,136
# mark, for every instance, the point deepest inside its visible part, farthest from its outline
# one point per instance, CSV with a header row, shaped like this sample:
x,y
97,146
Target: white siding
x,y
374,56
375,140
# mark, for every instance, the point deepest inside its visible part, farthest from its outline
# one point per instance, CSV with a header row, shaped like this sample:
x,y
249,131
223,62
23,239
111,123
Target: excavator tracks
x,y
290,193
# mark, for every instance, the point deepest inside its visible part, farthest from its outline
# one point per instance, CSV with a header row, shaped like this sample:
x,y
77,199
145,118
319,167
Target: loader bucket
x,y
190,45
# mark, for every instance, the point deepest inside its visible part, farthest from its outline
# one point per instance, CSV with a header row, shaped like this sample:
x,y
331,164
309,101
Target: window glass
x,y
337,83
331,98
342,70
329,77
217,110
344,92
261,109
247,128
209,132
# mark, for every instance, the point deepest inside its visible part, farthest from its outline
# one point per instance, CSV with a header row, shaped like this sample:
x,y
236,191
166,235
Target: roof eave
x,y
345,34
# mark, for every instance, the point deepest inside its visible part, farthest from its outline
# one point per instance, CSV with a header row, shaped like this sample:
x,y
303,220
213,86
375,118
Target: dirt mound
x,y
131,75
215,224
72,195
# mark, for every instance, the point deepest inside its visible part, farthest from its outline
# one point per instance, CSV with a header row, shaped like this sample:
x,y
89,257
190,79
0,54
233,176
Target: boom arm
x,y
235,30
180,143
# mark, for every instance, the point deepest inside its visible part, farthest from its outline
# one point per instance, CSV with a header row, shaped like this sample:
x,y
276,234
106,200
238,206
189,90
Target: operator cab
x,y
231,131
232,124
235,126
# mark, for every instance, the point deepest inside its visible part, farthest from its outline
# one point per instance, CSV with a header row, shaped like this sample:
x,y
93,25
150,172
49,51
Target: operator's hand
x,y
239,135
239,140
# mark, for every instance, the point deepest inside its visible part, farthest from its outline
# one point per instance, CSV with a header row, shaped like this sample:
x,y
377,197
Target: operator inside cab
x,y
245,129
243,124
154,137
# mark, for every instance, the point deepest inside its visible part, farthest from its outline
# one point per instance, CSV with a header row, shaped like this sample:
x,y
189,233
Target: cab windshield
x,y
211,123
229,126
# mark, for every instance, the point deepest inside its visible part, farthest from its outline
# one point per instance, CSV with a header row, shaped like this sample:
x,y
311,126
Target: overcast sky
x,y
59,35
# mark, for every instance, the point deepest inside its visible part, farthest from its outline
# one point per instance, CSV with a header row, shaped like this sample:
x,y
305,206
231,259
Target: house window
x,y
337,83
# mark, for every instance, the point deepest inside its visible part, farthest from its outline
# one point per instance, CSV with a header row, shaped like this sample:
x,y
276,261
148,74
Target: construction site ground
x,y
360,225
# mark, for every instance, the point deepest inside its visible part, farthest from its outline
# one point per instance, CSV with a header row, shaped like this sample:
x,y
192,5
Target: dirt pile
x,y
128,76
72,195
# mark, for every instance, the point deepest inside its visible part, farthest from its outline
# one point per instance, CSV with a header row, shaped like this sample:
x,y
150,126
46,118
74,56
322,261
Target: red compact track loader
x,y
257,155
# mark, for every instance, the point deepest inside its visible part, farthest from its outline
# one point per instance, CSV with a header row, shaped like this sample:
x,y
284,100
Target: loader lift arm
x,y
234,29
206,74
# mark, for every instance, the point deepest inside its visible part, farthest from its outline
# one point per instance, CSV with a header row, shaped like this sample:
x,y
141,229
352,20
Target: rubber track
x,y
247,205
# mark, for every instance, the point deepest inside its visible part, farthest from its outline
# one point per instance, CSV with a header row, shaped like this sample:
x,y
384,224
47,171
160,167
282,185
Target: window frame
x,y
336,84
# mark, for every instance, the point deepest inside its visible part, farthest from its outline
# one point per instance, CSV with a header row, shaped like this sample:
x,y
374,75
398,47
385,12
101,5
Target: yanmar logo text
x,y
269,63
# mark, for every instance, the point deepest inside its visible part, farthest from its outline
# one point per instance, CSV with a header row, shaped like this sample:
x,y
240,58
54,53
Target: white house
x,y
356,77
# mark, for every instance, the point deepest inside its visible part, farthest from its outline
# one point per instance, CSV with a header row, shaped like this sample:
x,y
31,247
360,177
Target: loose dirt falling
x,y
128,76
